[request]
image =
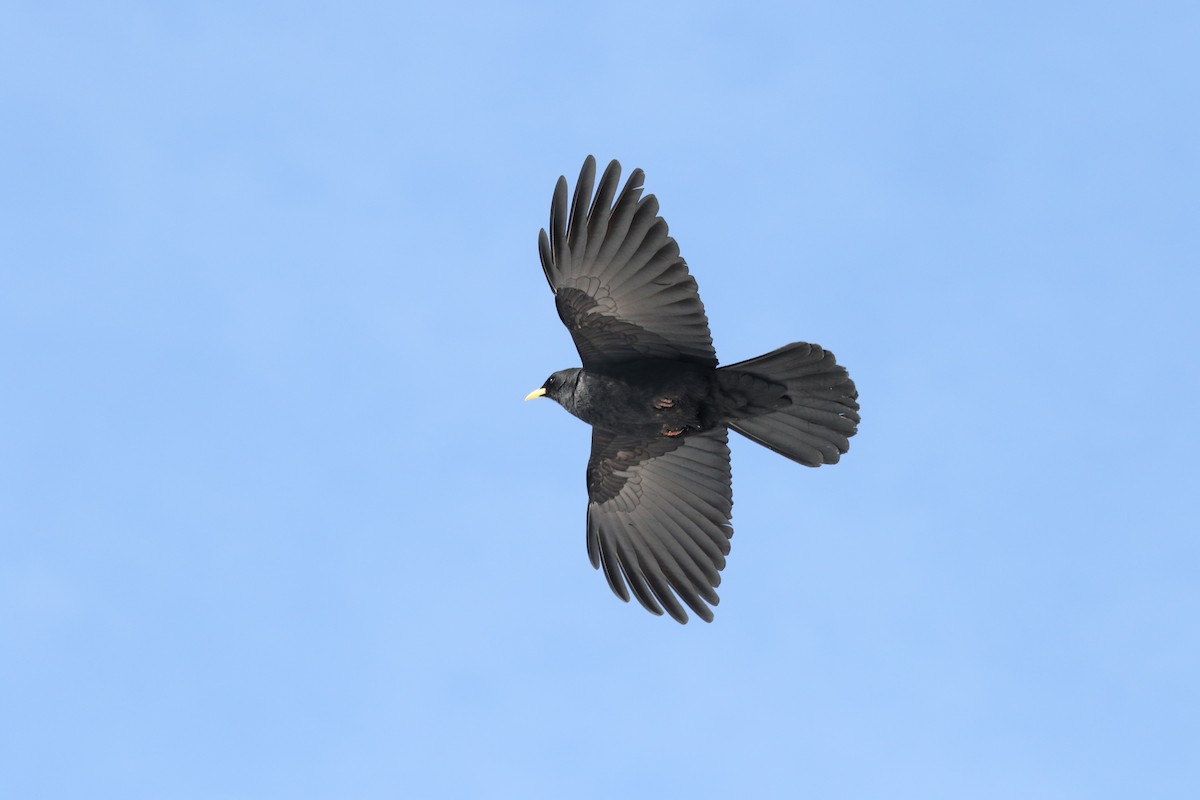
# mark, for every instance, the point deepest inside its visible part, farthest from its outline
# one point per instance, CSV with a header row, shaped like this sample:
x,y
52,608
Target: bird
x,y
659,481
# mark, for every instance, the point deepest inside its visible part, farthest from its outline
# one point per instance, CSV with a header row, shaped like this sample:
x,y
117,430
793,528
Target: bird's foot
x,y
669,431
664,402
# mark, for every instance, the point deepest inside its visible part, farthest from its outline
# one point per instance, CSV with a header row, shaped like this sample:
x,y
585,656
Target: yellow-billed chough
x,y
659,497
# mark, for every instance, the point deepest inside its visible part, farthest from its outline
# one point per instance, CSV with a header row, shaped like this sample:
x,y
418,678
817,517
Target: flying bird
x,y
658,479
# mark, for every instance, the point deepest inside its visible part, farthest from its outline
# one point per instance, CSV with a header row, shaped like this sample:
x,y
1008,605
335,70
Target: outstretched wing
x,y
620,286
658,518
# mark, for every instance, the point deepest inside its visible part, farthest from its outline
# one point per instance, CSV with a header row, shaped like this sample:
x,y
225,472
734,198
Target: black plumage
x,y
659,497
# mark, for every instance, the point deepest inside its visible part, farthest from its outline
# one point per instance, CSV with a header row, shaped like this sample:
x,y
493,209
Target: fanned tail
x,y
813,421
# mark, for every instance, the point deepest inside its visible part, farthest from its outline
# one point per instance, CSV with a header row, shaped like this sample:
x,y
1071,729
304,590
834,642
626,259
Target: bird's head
x,y
559,387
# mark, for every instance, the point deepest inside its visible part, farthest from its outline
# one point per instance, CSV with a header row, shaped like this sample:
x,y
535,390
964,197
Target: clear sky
x,y
275,521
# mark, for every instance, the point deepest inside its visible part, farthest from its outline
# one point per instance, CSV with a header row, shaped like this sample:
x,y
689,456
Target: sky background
x,y
275,521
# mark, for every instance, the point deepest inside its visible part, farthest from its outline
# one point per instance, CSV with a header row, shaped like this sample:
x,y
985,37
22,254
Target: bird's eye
x,y
550,381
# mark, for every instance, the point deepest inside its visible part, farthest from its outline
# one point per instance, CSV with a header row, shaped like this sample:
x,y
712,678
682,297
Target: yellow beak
x,y
536,393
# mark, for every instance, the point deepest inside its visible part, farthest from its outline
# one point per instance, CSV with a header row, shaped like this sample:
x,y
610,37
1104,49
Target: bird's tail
x,y
811,419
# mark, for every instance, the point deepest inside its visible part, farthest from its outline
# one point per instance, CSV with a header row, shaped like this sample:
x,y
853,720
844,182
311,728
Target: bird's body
x,y
644,398
659,498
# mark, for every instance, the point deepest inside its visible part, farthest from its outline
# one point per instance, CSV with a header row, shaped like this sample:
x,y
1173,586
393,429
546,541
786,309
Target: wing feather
x,y
621,287
658,518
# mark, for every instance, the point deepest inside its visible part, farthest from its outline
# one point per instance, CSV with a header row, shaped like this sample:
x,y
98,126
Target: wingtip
x,y
637,178
587,173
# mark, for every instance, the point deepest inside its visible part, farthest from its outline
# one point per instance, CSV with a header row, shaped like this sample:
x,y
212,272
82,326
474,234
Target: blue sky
x,y
275,521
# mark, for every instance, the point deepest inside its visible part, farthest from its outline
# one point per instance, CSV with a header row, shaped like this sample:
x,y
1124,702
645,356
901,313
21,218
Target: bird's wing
x,y
619,283
658,518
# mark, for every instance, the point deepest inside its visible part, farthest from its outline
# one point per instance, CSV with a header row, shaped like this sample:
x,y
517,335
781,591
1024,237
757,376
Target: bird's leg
x,y
664,402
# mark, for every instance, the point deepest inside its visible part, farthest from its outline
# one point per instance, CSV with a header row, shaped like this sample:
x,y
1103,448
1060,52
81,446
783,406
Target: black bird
x,y
659,497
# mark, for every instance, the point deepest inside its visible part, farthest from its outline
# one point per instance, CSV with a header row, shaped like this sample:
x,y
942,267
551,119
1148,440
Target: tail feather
x,y
818,413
